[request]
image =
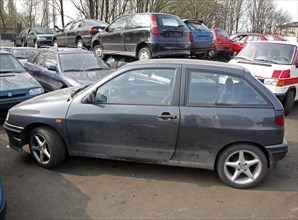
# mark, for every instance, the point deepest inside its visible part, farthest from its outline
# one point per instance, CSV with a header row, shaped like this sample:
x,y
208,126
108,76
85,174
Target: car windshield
x,y
45,31
75,62
22,53
269,53
9,64
197,26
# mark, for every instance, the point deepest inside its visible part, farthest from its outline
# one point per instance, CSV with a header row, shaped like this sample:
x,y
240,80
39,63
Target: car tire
x,y
289,102
212,53
80,43
24,44
144,54
98,50
47,147
242,166
35,44
55,43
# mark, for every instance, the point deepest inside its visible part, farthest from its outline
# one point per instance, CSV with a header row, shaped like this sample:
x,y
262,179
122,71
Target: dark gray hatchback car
x,y
174,112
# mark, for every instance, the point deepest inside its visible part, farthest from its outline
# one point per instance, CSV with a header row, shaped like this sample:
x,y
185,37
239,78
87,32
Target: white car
x,y
274,63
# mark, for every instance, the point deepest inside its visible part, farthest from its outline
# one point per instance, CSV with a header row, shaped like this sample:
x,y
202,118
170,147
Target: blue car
x,y
2,203
16,84
201,39
57,68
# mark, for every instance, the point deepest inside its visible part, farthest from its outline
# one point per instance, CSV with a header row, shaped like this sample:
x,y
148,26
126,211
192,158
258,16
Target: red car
x,y
222,42
239,40
275,37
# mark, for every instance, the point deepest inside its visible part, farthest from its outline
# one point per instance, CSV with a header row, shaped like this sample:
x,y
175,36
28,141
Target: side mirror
x,y
53,68
93,98
101,98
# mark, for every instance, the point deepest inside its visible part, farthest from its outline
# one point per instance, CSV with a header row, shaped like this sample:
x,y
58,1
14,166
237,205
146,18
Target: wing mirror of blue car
x,y
53,68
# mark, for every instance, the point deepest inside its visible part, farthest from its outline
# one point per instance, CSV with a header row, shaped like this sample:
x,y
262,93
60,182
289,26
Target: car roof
x,y
275,42
66,50
205,63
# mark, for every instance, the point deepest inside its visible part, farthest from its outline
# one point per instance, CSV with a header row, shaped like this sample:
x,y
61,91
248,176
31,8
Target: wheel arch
x,y
95,43
262,148
139,47
30,127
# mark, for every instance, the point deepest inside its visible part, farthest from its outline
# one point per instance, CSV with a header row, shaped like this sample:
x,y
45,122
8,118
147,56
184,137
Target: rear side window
x,y
169,20
219,89
139,21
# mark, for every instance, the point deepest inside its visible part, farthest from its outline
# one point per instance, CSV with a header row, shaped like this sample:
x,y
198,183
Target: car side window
x,y
212,89
68,26
139,21
77,25
51,59
32,56
118,24
40,59
140,87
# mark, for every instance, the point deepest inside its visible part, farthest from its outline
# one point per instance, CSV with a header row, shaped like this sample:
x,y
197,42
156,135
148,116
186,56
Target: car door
x,y
138,117
62,36
112,39
136,31
72,33
35,66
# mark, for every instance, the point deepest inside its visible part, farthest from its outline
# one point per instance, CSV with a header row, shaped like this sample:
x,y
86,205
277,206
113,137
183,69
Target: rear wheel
x,y
55,43
242,166
80,43
288,102
98,50
35,44
144,54
47,147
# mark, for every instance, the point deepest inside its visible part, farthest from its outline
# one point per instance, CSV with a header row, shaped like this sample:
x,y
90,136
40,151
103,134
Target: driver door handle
x,y
167,115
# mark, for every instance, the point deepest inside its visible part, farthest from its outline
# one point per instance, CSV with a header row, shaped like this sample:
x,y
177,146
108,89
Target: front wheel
x,y
47,147
80,43
35,44
144,54
242,166
289,102
98,50
55,43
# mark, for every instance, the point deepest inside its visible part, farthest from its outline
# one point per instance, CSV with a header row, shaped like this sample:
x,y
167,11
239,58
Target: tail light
x,y
154,26
280,120
190,37
93,30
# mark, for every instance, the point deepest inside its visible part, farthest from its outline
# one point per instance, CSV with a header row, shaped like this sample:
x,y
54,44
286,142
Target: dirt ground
x,y
84,188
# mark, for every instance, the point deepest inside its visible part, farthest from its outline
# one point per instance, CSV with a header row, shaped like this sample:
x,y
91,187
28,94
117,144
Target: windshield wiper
x,y
72,70
11,71
267,61
77,90
242,58
93,69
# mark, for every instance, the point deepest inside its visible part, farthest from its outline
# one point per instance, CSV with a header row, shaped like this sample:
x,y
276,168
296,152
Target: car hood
x,y
44,108
261,70
11,81
85,78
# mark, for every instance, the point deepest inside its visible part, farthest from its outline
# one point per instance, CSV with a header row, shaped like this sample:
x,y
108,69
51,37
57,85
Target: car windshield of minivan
x,y
9,64
269,53
81,62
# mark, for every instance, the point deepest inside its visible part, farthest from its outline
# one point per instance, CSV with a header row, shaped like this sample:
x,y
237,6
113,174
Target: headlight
x,y
270,81
41,38
36,91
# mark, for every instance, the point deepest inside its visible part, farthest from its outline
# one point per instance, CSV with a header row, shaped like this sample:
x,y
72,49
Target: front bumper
x,y
15,134
277,152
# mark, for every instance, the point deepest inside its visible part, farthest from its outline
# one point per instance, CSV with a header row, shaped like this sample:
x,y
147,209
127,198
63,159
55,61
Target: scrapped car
x,y
56,68
78,33
20,39
40,37
144,36
222,42
162,111
240,40
3,206
16,84
201,39
274,63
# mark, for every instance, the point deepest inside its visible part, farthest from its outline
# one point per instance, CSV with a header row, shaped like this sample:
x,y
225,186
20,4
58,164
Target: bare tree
x,y
2,14
58,5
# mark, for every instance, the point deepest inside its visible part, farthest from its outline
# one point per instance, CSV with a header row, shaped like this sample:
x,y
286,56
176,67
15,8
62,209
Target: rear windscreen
x,y
168,20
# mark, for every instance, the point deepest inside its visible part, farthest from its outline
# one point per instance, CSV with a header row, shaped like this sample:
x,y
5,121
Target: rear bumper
x,y
223,48
14,134
44,43
169,49
277,152
201,47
